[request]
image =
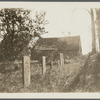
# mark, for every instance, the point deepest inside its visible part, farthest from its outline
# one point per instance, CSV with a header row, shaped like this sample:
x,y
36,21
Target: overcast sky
x,y
63,17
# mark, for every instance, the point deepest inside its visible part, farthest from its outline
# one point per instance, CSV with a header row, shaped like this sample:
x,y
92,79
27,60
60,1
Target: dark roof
x,y
61,43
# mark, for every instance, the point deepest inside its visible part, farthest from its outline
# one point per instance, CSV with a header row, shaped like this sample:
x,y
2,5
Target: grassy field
x,y
56,80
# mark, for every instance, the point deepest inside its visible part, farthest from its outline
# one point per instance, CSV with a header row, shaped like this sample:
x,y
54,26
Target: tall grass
x,y
56,79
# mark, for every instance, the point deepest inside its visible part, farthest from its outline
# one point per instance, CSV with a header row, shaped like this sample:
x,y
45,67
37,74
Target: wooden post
x,y
26,70
61,59
43,65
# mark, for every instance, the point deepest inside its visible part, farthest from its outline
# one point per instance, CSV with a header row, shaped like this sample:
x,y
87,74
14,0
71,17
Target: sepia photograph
x,y
49,47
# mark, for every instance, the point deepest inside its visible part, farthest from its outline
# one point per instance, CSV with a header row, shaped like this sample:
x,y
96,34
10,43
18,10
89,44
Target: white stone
x,y
43,65
61,60
26,70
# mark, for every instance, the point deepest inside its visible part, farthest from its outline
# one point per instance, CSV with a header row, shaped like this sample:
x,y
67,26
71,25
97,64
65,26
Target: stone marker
x,y
61,59
26,70
43,65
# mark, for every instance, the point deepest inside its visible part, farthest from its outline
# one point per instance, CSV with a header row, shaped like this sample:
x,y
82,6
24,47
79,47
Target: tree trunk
x,y
98,24
93,32
99,35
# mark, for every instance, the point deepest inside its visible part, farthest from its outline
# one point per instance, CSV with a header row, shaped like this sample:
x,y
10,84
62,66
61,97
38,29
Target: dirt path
x,y
67,74
73,69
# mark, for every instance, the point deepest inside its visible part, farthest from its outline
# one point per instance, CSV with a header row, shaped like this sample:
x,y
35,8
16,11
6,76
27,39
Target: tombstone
x,y
26,70
43,65
61,59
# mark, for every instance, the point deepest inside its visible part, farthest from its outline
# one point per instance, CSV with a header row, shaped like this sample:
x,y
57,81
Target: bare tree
x,y
93,31
91,12
98,24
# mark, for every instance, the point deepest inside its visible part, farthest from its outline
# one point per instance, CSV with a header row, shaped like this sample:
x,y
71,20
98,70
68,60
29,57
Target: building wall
x,y
53,54
37,55
70,53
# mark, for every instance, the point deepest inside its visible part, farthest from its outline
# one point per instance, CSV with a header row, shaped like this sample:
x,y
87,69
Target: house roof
x,y
61,43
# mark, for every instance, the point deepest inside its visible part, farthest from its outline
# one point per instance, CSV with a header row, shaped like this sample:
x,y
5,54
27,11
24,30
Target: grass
x,y
72,77
55,80
89,78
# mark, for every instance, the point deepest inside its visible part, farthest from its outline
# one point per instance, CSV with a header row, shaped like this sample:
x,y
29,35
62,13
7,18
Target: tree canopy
x,y
18,29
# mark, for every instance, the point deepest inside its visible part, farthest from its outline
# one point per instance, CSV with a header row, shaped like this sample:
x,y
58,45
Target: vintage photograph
x,y
49,47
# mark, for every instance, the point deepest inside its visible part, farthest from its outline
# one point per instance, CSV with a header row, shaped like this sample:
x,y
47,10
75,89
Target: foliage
x,y
98,57
18,31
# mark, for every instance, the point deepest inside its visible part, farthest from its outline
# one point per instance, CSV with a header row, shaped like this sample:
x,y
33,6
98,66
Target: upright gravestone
x,y
61,59
43,65
26,70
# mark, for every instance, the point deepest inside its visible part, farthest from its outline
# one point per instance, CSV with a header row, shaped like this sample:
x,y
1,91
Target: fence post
x,y
43,65
26,70
61,59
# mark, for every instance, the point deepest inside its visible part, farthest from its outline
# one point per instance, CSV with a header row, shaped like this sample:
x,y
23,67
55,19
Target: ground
x,y
70,78
89,78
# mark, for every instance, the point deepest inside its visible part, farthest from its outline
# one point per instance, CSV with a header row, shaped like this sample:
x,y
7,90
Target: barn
x,y
69,46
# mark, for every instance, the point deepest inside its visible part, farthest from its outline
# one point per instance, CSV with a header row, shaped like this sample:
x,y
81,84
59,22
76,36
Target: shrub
x,y
98,57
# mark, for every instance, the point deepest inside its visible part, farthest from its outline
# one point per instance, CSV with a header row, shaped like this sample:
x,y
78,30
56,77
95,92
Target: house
x,y
69,46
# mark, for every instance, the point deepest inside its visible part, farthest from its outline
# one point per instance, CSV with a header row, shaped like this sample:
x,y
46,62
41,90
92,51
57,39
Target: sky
x,y
63,17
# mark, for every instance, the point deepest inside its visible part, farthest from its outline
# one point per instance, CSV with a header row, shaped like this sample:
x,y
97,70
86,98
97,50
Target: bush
x,y
98,57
